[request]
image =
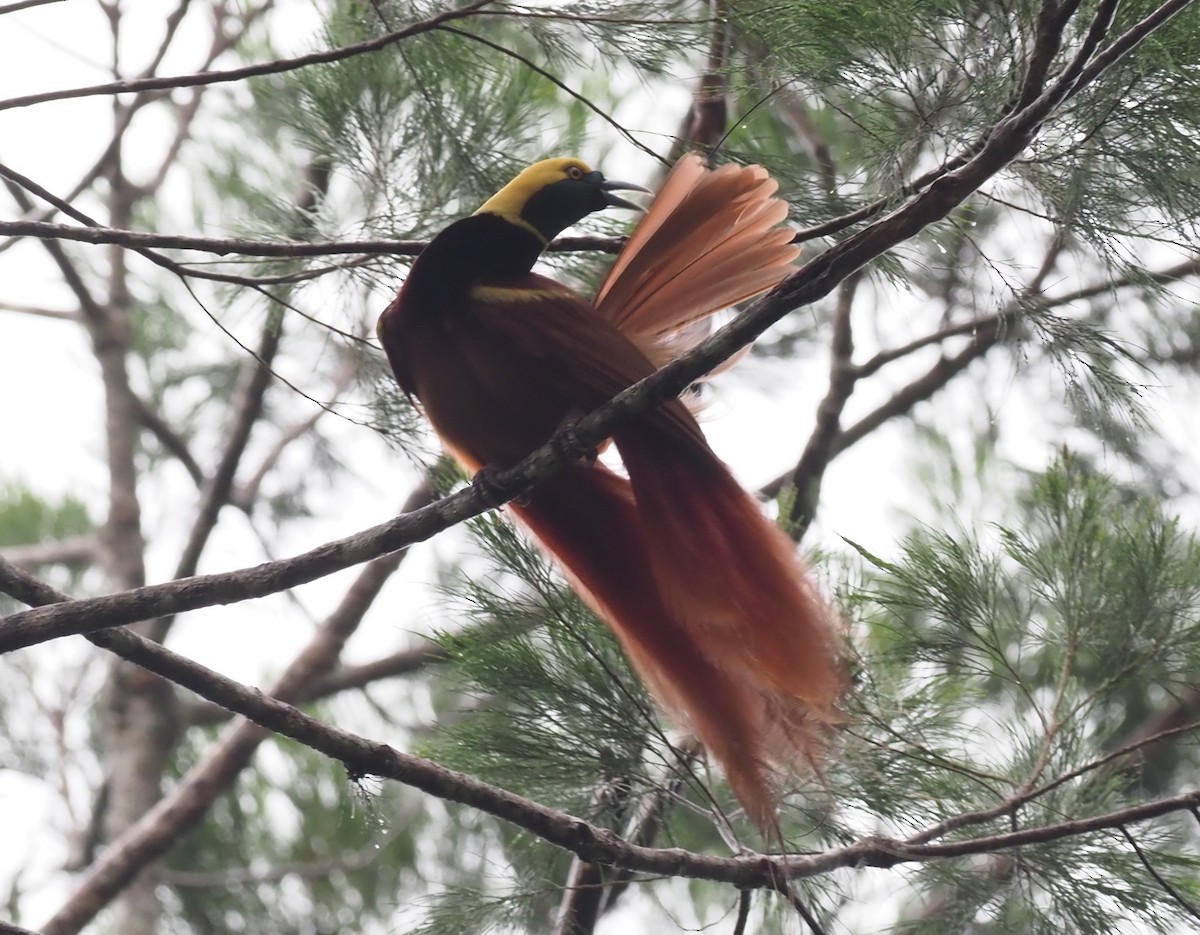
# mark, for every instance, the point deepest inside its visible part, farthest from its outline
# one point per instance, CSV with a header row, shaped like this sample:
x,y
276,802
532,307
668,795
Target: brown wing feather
x,y
579,353
498,375
680,182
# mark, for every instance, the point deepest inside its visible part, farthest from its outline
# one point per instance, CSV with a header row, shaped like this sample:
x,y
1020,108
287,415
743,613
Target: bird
x,y
707,597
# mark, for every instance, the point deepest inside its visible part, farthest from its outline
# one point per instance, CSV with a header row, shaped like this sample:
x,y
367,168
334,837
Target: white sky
x,y
51,411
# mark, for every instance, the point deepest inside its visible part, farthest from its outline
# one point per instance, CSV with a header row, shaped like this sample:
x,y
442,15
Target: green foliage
x,y
296,846
908,74
543,703
26,517
1118,159
998,674
431,128
555,706
999,666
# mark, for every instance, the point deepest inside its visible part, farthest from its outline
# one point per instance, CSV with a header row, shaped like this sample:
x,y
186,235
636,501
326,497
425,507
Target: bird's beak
x,y
608,186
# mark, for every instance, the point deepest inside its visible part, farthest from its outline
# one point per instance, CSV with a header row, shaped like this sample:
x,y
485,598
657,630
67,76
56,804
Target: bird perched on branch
x,y
705,594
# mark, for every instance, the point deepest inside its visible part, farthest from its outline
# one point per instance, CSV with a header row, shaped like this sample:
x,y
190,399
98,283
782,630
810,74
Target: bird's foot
x,y
568,445
486,480
494,494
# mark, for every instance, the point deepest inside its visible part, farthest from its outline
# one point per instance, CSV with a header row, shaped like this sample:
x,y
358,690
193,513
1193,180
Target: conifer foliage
x,y
976,395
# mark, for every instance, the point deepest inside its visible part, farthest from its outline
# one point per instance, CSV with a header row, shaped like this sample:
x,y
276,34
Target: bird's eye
x,y
574,172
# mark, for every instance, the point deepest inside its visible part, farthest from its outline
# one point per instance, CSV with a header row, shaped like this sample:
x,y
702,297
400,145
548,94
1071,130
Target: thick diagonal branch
x,y
813,281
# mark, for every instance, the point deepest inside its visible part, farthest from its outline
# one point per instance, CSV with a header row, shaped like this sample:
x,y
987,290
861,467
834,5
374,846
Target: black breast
x,y
476,249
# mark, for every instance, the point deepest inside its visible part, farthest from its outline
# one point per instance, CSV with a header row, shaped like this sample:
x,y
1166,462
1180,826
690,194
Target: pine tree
x,y
981,374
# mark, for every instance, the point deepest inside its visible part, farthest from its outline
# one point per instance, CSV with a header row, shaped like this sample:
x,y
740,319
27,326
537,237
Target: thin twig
x,y
365,757
743,916
275,67
813,281
24,5
96,233
1184,904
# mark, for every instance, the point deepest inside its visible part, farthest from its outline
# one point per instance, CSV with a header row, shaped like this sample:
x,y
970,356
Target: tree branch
x,y
7,928
806,478
157,426
249,71
365,757
95,233
174,815
71,550
813,281
24,5
38,311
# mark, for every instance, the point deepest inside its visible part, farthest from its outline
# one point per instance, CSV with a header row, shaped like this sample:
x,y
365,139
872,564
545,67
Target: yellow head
x,y
553,194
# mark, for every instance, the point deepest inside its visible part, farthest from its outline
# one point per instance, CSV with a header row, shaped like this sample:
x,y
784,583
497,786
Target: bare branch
x,y
168,438
365,757
1052,20
7,928
169,820
170,27
24,5
250,71
96,233
38,311
71,550
920,389
813,281
806,478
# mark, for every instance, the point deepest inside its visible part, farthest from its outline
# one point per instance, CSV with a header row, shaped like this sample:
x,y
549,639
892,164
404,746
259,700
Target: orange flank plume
x,y
705,594
685,261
